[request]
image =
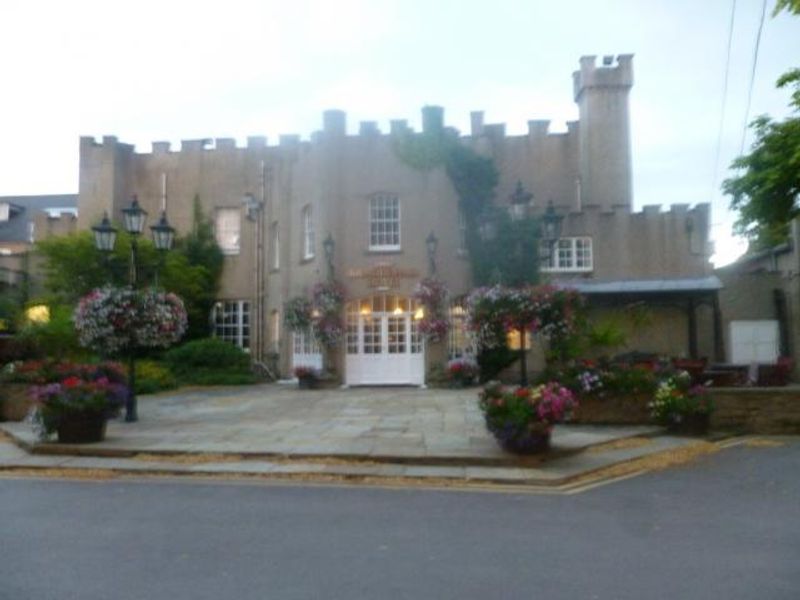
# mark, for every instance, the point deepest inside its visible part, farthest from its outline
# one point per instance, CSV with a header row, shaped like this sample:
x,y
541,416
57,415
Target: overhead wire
x,y
724,101
752,76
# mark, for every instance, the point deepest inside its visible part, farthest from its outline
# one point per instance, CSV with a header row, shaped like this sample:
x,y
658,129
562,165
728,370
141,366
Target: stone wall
x,y
757,410
741,410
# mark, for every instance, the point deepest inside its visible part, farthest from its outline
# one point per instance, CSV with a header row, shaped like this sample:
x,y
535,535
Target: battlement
x,y
613,72
334,127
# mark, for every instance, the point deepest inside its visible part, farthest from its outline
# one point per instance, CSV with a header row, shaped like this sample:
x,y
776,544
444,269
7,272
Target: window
x,y
228,228
275,330
384,222
568,254
460,342
305,342
309,239
231,319
276,245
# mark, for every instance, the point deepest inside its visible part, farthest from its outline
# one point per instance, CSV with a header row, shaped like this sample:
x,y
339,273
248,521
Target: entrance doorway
x,y
383,343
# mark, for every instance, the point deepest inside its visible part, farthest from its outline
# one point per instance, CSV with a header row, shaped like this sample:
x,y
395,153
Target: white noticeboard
x,y
754,342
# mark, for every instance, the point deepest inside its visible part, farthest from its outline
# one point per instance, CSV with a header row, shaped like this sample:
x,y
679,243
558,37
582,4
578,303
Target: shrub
x,y
55,337
220,378
210,361
210,353
152,377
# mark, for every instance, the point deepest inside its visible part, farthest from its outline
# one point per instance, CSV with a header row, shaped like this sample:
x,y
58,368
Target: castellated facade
x,y
274,205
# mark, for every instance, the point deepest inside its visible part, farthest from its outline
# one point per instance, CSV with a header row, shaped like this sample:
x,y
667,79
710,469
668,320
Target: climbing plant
x,y
509,254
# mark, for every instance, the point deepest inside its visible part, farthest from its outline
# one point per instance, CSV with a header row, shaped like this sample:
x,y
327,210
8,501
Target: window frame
x,y
557,265
241,328
385,198
275,245
221,229
309,234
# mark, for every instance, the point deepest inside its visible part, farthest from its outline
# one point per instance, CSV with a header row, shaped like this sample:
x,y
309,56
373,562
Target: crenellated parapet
x,y
612,72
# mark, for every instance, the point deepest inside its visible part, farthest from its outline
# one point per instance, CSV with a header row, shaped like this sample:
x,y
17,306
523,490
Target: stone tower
x,y
601,93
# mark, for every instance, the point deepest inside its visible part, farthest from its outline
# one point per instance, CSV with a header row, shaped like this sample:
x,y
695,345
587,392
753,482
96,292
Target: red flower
x,y
71,382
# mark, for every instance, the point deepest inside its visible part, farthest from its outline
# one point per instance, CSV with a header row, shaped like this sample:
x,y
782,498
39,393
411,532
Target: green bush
x,y
221,378
56,337
152,377
210,362
493,360
208,353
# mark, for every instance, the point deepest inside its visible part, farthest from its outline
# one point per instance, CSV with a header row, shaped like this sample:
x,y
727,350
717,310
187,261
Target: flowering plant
x,y
297,314
326,315
520,416
110,320
304,372
74,395
462,370
676,399
39,372
431,293
494,312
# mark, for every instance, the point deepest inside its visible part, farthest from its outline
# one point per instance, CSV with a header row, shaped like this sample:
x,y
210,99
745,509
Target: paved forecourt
x,y
386,432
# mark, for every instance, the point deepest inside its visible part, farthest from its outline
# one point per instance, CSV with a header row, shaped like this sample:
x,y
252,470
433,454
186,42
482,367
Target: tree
x,y
791,6
767,191
72,266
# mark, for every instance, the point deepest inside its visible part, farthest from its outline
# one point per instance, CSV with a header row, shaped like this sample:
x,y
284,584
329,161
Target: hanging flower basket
x,y
297,314
432,294
110,320
327,300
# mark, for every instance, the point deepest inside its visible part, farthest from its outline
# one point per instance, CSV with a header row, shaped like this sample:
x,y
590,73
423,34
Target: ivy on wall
x,y
507,252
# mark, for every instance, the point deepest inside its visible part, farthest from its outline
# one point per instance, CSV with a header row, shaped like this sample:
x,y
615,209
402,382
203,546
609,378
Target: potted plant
x,y
522,418
681,406
462,372
307,377
76,409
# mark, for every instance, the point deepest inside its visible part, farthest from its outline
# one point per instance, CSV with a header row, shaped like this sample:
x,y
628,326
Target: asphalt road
x,y
726,527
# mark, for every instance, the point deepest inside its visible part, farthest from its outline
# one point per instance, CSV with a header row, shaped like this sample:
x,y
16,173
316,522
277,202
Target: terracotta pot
x,y
82,428
15,401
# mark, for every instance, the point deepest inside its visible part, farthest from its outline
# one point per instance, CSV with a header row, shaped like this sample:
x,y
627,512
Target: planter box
x,y
15,401
613,410
82,428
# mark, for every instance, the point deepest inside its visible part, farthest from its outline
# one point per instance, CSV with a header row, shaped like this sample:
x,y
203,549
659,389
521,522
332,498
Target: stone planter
x,y
693,424
82,428
15,401
631,409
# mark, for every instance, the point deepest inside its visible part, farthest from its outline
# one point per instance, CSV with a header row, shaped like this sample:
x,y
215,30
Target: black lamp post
x,y
432,243
163,238
520,202
550,229
105,235
328,246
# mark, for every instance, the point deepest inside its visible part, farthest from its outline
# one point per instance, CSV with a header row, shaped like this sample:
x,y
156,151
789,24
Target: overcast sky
x,y
147,71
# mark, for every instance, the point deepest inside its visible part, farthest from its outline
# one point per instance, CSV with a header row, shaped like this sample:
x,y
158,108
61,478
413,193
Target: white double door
x,y
384,349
